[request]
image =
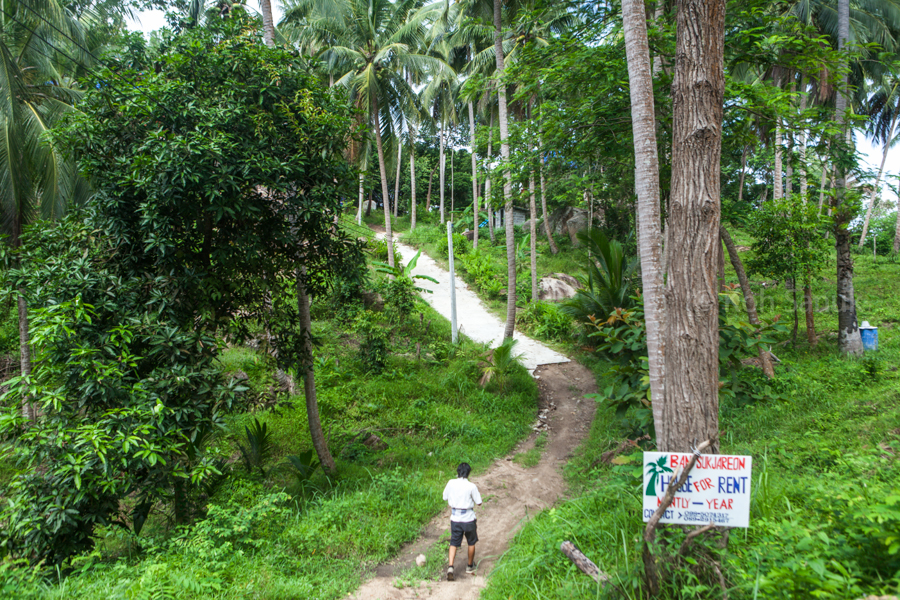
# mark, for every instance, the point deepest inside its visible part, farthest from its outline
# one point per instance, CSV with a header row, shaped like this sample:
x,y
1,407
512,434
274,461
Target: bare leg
x,y
471,554
453,554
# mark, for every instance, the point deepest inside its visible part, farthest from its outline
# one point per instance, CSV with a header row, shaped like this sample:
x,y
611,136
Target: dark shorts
x,y
457,530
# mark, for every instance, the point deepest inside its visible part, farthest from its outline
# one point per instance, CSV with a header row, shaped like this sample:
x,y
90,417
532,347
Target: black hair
x,y
463,470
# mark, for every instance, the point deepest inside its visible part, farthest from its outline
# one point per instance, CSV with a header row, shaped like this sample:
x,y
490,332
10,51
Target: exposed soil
x,y
512,493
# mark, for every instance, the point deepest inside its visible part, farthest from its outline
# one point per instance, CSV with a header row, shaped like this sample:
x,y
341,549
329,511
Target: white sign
x,y
717,490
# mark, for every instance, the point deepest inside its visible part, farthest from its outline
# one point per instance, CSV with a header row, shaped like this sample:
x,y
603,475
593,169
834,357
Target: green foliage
x,y
608,284
400,292
789,240
378,248
500,362
544,320
303,466
461,246
483,272
257,447
373,345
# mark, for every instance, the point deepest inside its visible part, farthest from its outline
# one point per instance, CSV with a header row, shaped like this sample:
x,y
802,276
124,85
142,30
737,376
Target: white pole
x,y
452,283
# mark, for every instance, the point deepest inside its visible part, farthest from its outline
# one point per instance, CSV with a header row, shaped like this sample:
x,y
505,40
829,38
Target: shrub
x,y
482,273
461,246
544,320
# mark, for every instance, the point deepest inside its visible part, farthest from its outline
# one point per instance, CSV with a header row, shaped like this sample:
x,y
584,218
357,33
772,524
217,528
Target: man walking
x,y
462,496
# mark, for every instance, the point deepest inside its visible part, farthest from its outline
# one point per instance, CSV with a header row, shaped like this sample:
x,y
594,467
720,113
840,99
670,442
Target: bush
x,y
379,250
544,320
483,274
461,246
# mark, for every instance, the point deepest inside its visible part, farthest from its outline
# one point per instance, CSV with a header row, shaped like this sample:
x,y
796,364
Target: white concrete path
x,y
472,316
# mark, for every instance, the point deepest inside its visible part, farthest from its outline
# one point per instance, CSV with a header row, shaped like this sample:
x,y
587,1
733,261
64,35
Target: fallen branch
x,y
585,564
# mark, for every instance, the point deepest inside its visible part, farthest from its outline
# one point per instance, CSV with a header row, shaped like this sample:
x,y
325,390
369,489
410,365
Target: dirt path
x,y
512,493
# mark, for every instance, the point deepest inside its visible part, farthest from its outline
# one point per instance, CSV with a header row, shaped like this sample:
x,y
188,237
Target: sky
x,y
151,20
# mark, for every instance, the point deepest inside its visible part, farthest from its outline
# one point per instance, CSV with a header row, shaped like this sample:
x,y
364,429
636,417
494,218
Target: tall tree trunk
x,y
691,410
452,185
764,362
646,185
309,379
743,174
428,195
507,179
389,234
789,168
533,214
810,315
804,185
487,178
397,179
778,185
265,7
412,176
874,194
362,178
441,162
474,175
822,184
369,205
849,340
545,215
796,310
897,232
29,410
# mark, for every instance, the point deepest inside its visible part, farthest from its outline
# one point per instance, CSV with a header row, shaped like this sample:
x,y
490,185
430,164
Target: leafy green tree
x,y
216,177
789,244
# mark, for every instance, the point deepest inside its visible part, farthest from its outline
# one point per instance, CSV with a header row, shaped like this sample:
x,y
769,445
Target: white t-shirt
x,y
462,496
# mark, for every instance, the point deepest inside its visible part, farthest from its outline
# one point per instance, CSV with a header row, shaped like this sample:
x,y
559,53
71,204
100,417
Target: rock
x,y
421,560
469,234
557,287
569,220
374,443
239,375
286,383
373,300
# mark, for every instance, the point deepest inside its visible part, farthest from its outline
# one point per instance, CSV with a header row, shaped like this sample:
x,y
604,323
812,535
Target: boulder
x,y
373,300
469,234
569,220
557,287
421,560
374,443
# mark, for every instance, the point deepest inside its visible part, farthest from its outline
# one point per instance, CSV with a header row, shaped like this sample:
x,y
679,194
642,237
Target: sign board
x,y
717,490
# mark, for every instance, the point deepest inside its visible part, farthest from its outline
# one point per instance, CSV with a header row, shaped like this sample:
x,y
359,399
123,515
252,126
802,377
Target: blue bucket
x,y
869,337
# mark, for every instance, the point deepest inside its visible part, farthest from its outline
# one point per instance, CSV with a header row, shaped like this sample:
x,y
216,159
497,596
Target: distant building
x,y
520,216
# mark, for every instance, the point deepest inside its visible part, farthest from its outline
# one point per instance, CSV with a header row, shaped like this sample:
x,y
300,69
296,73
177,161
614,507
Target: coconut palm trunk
x,y
309,380
389,234
874,193
442,164
475,211
849,339
412,177
359,213
643,120
532,209
804,184
397,179
545,216
507,179
265,7
778,183
487,179
691,408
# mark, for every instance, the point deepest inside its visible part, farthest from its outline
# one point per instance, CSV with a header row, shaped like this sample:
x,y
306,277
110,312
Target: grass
x,y
825,481
270,537
531,457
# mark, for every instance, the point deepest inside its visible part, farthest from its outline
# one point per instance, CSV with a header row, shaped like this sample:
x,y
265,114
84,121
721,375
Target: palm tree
x,y
884,108
643,120
42,51
849,340
507,179
369,46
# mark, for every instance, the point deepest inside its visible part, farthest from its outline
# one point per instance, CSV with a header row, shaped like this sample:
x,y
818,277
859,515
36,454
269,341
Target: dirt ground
x,y
512,493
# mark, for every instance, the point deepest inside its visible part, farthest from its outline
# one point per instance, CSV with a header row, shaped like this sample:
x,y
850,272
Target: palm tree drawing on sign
x,y
655,470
